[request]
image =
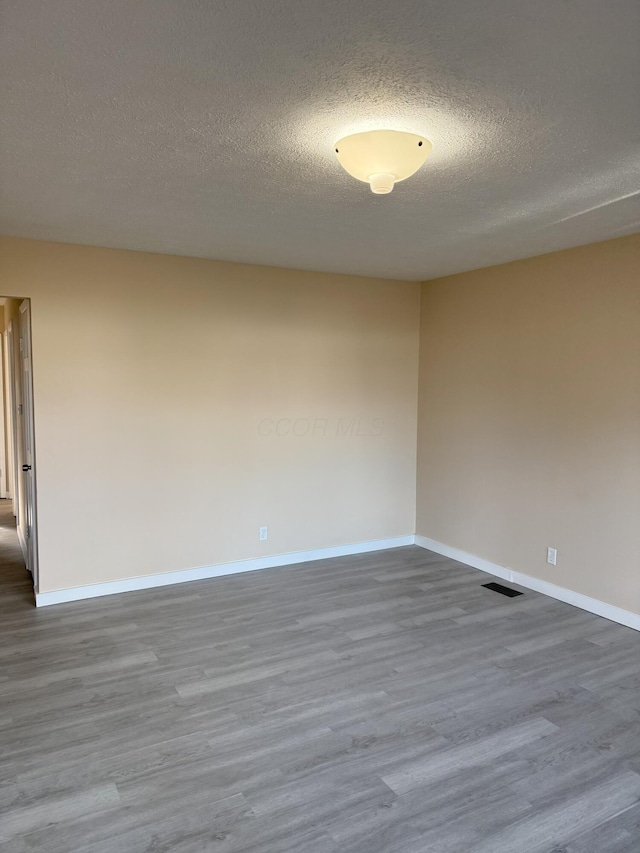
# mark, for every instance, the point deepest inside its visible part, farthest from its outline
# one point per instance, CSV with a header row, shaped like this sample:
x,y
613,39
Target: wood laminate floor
x,y
370,704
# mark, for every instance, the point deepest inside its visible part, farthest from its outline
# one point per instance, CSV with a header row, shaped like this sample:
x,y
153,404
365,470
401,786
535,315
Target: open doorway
x,y
17,448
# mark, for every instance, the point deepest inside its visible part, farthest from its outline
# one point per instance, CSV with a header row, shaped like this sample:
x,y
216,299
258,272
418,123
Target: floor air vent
x,y
503,590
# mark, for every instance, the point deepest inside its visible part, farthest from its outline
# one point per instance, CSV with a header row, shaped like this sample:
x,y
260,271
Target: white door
x,y
25,414
5,488
13,420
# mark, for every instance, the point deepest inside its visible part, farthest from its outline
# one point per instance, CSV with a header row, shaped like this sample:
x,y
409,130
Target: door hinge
x,y
28,531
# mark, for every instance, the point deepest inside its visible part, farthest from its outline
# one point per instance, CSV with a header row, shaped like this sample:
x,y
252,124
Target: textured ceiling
x,y
206,127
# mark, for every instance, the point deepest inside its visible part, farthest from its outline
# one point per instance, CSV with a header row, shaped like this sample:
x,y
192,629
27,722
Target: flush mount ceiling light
x,y
381,158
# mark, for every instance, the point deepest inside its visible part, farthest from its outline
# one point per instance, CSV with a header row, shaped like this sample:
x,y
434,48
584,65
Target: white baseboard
x,y
584,602
95,590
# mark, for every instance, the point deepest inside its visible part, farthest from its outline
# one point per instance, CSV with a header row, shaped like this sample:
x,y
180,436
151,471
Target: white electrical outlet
x,y
264,534
552,556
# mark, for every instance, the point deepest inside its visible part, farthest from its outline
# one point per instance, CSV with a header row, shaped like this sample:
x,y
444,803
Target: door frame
x,y
27,526
9,409
13,417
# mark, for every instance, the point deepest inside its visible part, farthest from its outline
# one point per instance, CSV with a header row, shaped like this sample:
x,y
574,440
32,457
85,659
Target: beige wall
x,y
160,383
529,417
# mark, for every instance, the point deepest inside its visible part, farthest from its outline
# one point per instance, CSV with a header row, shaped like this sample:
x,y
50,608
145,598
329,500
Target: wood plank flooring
x,y
371,704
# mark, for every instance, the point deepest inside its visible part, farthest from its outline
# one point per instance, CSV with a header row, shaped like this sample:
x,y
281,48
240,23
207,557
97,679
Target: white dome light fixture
x,y
381,158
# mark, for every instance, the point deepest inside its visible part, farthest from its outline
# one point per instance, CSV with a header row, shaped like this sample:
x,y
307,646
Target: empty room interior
x,y
320,428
